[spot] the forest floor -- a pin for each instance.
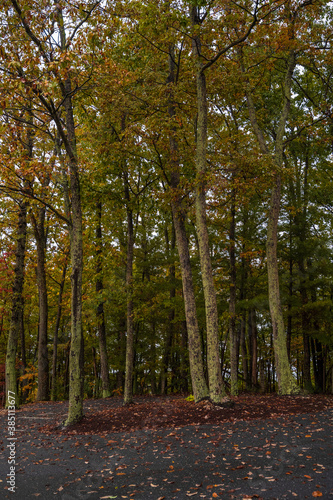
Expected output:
(264, 447)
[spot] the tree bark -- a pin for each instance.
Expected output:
(17, 304)
(216, 387)
(106, 392)
(128, 392)
(286, 382)
(56, 333)
(43, 355)
(199, 386)
(170, 247)
(232, 303)
(68, 136)
(254, 373)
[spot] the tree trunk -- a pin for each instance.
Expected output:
(184, 358)
(106, 392)
(43, 357)
(286, 382)
(199, 386)
(17, 304)
(56, 332)
(285, 379)
(24, 382)
(290, 289)
(232, 303)
(128, 392)
(76, 373)
(121, 355)
(307, 384)
(216, 387)
(254, 354)
(172, 295)
(76, 357)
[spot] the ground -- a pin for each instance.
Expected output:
(269, 447)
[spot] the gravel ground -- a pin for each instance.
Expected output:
(289, 456)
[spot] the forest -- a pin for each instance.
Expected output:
(166, 199)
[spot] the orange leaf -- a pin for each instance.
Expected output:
(317, 494)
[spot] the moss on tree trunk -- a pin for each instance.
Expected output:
(17, 305)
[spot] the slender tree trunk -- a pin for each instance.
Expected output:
(17, 303)
(76, 372)
(120, 378)
(24, 382)
(242, 296)
(96, 388)
(216, 387)
(184, 358)
(254, 373)
(43, 355)
(307, 384)
(22, 335)
(199, 386)
(153, 360)
(128, 392)
(106, 392)
(76, 357)
(289, 324)
(286, 382)
(232, 302)
(56, 332)
(172, 295)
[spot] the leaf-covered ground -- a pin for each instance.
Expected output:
(166, 448)
(109, 415)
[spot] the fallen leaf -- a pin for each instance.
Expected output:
(317, 494)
